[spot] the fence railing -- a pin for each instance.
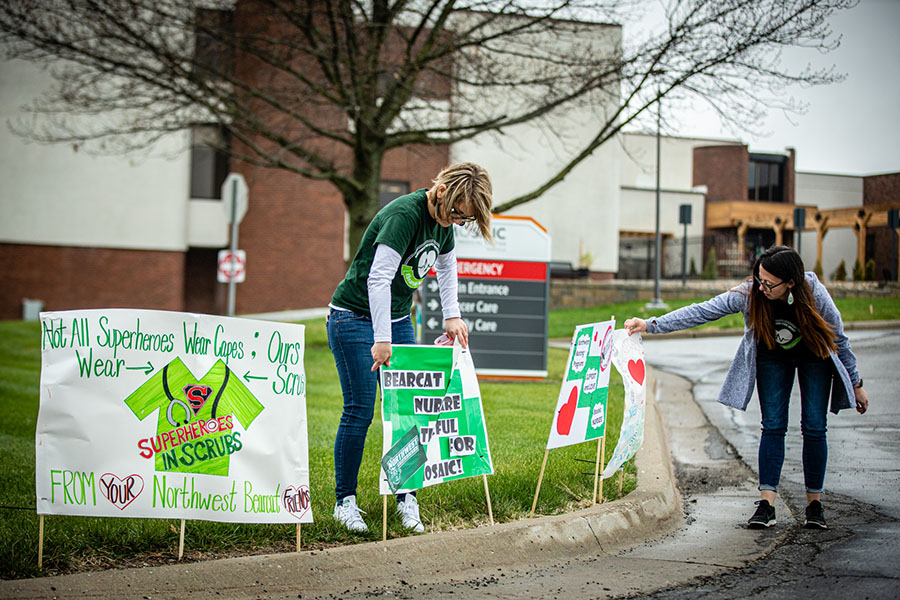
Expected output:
(689, 256)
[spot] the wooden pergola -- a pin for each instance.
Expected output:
(742, 215)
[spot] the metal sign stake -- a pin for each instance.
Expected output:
(234, 246)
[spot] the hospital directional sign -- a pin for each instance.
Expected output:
(504, 292)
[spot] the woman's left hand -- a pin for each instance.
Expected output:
(862, 400)
(456, 329)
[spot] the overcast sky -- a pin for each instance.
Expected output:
(850, 128)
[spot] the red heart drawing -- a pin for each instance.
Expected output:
(567, 413)
(121, 491)
(636, 369)
(296, 500)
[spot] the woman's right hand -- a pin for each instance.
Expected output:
(635, 324)
(381, 354)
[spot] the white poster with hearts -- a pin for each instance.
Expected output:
(172, 415)
(580, 413)
(628, 358)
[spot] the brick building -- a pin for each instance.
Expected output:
(81, 231)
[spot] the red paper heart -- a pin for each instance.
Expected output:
(636, 369)
(296, 500)
(121, 491)
(567, 413)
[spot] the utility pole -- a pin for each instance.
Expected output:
(657, 301)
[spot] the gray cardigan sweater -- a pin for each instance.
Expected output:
(741, 378)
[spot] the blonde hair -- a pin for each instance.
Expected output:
(470, 184)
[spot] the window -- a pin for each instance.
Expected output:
(214, 41)
(209, 161)
(765, 178)
(388, 190)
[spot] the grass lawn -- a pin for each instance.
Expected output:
(518, 417)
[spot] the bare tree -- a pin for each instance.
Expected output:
(324, 88)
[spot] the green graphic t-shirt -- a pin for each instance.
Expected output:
(405, 226)
(194, 429)
(788, 337)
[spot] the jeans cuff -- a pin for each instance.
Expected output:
(818, 491)
(767, 487)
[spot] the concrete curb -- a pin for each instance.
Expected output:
(653, 509)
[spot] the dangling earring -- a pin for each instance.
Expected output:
(790, 297)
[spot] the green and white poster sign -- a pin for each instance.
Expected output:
(434, 389)
(581, 406)
(403, 459)
(161, 414)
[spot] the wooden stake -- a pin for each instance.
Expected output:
(181, 541)
(602, 460)
(298, 537)
(40, 541)
(487, 494)
(597, 469)
(540, 479)
(384, 519)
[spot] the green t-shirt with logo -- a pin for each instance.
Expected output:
(788, 337)
(405, 226)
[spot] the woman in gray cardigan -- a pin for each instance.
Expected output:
(791, 325)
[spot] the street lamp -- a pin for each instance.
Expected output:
(657, 301)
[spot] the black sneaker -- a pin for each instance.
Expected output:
(763, 517)
(815, 516)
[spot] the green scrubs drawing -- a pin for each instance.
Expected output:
(197, 409)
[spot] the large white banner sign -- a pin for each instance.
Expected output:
(172, 415)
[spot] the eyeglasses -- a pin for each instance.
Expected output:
(458, 216)
(769, 286)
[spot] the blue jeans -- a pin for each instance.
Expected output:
(774, 381)
(350, 337)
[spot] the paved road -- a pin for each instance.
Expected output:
(860, 554)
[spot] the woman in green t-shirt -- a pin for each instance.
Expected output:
(371, 305)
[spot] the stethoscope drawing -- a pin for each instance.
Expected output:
(188, 412)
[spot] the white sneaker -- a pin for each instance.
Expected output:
(409, 514)
(347, 514)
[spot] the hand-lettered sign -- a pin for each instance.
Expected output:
(628, 358)
(581, 406)
(435, 389)
(172, 415)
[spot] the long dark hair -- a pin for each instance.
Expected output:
(785, 263)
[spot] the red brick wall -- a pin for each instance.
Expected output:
(65, 278)
(723, 170)
(883, 189)
(293, 234)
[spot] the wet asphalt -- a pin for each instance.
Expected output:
(859, 555)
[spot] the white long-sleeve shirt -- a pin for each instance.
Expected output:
(384, 267)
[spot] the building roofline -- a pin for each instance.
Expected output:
(688, 137)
